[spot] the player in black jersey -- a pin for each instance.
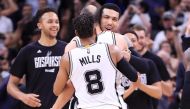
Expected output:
(39, 62)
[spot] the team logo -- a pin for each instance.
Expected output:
(49, 53)
(39, 51)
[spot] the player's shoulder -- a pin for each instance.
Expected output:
(27, 49)
(30, 46)
(113, 48)
(71, 45)
(118, 35)
(62, 43)
(105, 33)
(74, 38)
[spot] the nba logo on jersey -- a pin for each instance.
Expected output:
(88, 51)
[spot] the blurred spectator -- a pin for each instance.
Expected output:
(168, 22)
(4, 69)
(135, 15)
(186, 36)
(176, 8)
(6, 101)
(6, 23)
(66, 14)
(156, 9)
(25, 26)
(121, 3)
(9, 7)
(141, 15)
(12, 10)
(38, 4)
(78, 5)
(143, 50)
(176, 98)
(185, 100)
(170, 62)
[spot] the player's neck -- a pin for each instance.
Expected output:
(47, 41)
(87, 41)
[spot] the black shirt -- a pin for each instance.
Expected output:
(160, 65)
(40, 65)
(138, 99)
(185, 42)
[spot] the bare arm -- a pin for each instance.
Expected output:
(28, 99)
(71, 45)
(123, 21)
(153, 90)
(178, 45)
(11, 8)
(122, 65)
(129, 91)
(123, 45)
(62, 76)
(65, 96)
(146, 23)
(167, 88)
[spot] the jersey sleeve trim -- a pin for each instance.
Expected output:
(112, 63)
(113, 37)
(71, 64)
(77, 42)
(109, 56)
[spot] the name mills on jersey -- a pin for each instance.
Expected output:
(90, 59)
(47, 61)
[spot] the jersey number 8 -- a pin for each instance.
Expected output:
(94, 83)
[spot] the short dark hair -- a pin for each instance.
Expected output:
(132, 32)
(84, 25)
(107, 6)
(41, 12)
(139, 28)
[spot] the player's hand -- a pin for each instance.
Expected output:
(138, 82)
(127, 54)
(31, 100)
(133, 86)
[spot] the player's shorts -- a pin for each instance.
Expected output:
(123, 104)
(73, 105)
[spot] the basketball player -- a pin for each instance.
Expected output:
(39, 62)
(89, 67)
(108, 20)
(77, 43)
(112, 11)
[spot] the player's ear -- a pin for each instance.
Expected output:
(39, 25)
